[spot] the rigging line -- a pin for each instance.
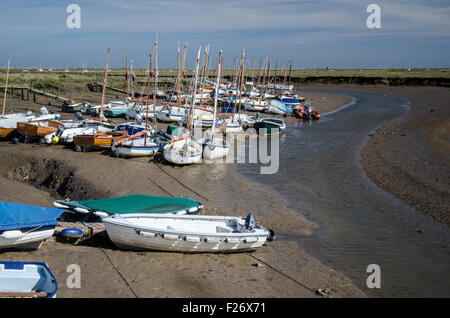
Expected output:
(161, 187)
(193, 191)
(285, 275)
(118, 272)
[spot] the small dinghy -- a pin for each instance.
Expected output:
(98, 140)
(186, 233)
(25, 226)
(278, 107)
(134, 203)
(139, 147)
(8, 123)
(27, 280)
(183, 152)
(271, 125)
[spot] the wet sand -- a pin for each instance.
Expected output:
(409, 157)
(34, 174)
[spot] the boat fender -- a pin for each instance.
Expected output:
(211, 239)
(59, 205)
(147, 234)
(232, 240)
(55, 140)
(250, 240)
(192, 210)
(101, 214)
(81, 210)
(9, 235)
(170, 237)
(193, 239)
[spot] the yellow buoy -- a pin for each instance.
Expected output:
(55, 140)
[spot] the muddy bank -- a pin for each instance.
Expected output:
(281, 269)
(409, 156)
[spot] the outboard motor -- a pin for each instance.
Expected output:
(250, 222)
(79, 116)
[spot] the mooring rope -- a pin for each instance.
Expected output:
(285, 275)
(118, 272)
(193, 191)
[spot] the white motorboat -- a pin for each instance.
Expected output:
(186, 233)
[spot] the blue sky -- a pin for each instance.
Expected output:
(316, 33)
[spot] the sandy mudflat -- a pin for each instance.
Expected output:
(409, 157)
(28, 172)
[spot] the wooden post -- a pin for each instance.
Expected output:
(6, 89)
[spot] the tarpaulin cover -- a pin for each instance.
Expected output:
(16, 216)
(135, 203)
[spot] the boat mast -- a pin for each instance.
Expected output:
(254, 68)
(264, 79)
(132, 79)
(6, 89)
(290, 69)
(156, 83)
(241, 79)
(216, 96)
(285, 74)
(104, 87)
(126, 77)
(194, 90)
(178, 68)
(148, 96)
(179, 93)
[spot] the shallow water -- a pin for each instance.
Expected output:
(359, 223)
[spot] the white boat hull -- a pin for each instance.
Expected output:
(136, 148)
(219, 148)
(17, 239)
(181, 233)
(174, 152)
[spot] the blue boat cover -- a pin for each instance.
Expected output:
(290, 100)
(16, 216)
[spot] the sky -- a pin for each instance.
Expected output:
(314, 34)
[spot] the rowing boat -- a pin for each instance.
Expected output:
(27, 280)
(98, 140)
(25, 226)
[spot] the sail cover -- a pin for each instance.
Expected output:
(136, 203)
(15, 216)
